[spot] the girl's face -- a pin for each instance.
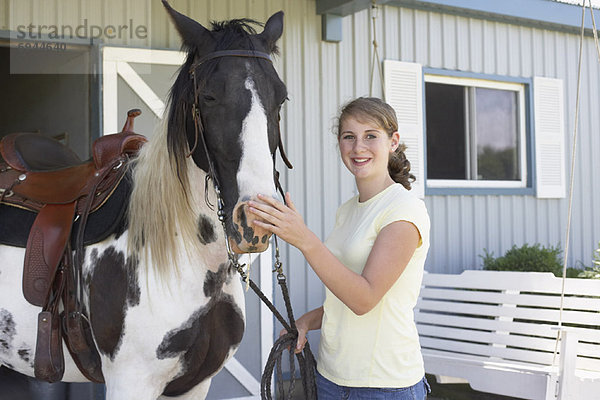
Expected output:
(365, 148)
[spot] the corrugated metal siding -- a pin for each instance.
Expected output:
(321, 76)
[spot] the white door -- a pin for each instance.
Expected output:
(141, 78)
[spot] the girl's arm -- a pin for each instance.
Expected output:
(391, 252)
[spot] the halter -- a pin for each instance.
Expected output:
(306, 361)
(198, 127)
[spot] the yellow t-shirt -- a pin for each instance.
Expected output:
(380, 348)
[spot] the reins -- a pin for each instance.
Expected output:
(306, 361)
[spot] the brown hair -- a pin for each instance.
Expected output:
(378, 112)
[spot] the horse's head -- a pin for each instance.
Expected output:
(238, 97)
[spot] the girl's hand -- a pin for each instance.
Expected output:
(307, 322)
(301, 339)
(283, 220)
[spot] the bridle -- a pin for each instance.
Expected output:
(307, 361)
(199, 128)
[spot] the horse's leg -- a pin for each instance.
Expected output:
(198, 392)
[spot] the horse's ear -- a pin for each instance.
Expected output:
(273, 31)
(192, 33)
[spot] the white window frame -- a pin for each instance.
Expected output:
(519, 88)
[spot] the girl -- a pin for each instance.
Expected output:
(371, 265)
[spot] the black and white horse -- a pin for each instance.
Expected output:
(165, 307)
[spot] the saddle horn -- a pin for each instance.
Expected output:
(131, 114)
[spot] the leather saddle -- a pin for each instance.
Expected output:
(41, 175)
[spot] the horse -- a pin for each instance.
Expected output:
(165, 307)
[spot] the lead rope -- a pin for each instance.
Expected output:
(306, 359)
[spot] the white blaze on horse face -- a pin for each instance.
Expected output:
(256, 165)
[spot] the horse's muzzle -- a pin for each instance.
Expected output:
(249, 238)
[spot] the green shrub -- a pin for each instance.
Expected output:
(526, 258)
(539, 259)
(573, 272)
(592, 272)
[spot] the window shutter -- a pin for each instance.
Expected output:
(404, 92)
(548, 100)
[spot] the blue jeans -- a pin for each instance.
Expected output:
(327, 390)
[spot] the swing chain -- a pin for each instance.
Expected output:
(375, 59)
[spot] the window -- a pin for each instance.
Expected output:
(475, 133)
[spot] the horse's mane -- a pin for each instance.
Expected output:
(232, 31)
(160, 215)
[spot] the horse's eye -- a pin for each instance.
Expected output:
(208, 98)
